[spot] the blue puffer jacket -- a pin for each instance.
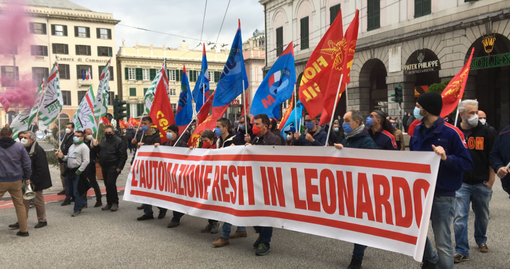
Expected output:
(500, 155)
(451, 171)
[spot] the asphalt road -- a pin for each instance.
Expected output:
(97, 239)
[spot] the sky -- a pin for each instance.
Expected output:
(179, 17)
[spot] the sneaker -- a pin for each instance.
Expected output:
(263, 249)
(428, 265)
(107, 207)
(20, 233)
(207, 228)
(215, 228)
(239, 234)
(221, 242)
(355, 263)
(41, 224)
(162, 214)
(145, 217)
(66, 202)
(98, 204)
(115, 207)
(173, 224)
(457, 258)
(76, 213)
(62, 193)
(483, 247)
(257, 242)
(14, 226)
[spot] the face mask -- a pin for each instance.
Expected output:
(76, 139)
(473, 120)
(108, 136)
(309, 125)
(336, 129)
(417, 115)
(130, 128)
(241, 127)
(369, 122)
(255, 130)
(23, 141)
(206, 145)
(393, 125)
(169, 136)
(347, 127)
(483, 121)
(145, 128)
(89, 137)
(217, 131)
(289, 137)
(68, 131)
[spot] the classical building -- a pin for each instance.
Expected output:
(254, 54)
(414, 43)
(79, 37)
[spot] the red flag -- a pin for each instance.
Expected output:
(343, 63)
(122, 124)
(453, 92)
(161, 111)
(287, 113)
(133, 122)
(247, 106)
(205, 109)
(105, 121)
(208, 123)
(322, 64)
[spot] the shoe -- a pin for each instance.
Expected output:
(41, 224)
(98, 204)
(173, 224)
(239, 234)
(483, 247)
(62, 193)
(76, 213)
(457, 258)
(140, 207)
(114, 207)
(257, 242)
(355, 263)
(107, 207)
(207, 229)
(162, 214)
(20, 233)
(215, 228)
(428, 265)
(263, 249)
(14, 226)
(221, 242)
(66, 202)
(145, 217)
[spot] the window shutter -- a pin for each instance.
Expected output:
(132, 91)
(109, 33)
(76, 31)
(53, 48)
(418, 12)
(126, 73)
(139, 75)
(112, 77)
(304, 33)
(139, 109)
(43, 28)
(32, 30)
(128, 111)
(98, 33)
(45, 51)
(66, 49)
(426, 7)
(153, 74)
(279, 41)
(145, 91)
(178, 74)
(89, 50)
(333, 11)
(217, 76)
(65, 30)
(88, 31)
(53, 29)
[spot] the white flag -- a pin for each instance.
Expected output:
(84, 117)
(52, 101)
(103, 93)
(151, 91)
(24, 120)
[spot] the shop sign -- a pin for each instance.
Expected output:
(490, 61)
(421, 66)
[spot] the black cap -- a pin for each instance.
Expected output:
(431, 102)
(174, 128)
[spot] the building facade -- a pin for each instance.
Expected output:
(80, 38)
(414, 43)
(254, 55)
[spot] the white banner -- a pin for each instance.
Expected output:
(380, 199)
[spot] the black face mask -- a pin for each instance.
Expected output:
(108, 136)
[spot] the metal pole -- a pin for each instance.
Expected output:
(295, 110)
(457, 114)
(189, 124)
(334, 108)
(245, 112)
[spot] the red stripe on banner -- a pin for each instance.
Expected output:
(389, 165)
(284, 215)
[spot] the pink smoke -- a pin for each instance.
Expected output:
(14, 31)
(22, 94)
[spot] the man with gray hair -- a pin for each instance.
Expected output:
(477, 184)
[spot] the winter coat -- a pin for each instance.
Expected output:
(112, 152)
(268, 139)
(319, 135)
(41, 178)
(14, 161)
(500, 155)
(384, 140)
(360, 141)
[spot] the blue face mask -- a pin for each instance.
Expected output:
(369, 122)
(217, 131)
(309, 125)
(241, 127)
(145, 128)
(417, 115)
(336, 129)
(169, 136)
(347, 127)
(76, 139)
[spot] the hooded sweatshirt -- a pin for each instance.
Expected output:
(14, 161)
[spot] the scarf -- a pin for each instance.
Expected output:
(32, 149)
(355, 132)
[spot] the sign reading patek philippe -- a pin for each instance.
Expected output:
(421, 65)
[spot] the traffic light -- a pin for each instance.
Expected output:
(397, 96)
(119, 108)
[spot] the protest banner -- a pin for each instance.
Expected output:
(376, 198)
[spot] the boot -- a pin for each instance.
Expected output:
(239, 234)
(107, 207)
(114, 207)
(98, 204)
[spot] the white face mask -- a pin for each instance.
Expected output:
(483, 121)
(23, 141)
(472, 121)
(89, 137)
(68, 131)
(289, 137)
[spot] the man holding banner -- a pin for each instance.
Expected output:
(433, 134)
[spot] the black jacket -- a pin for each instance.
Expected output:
(479, 142)
(277, 133)
(268, 139)
(41, 178)
(67, 142)
(182, 143)
(112, 152)
(91, 168)
(149, 139)
(220, 143)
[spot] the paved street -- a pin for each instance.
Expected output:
(97, 239)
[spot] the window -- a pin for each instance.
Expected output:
(172, 92)
(39, 50)
(171, 75)
(145, 91)
(38, 74)
(279, 41)
(304, 33)
(100, 69)
(211, 76)
(145, 74)
(111, 97)
(80, 31)
(63, 70)
(104, 33)
(139, 109)
(83, 50)
(82, 69)
(192, 75)
(373, 14)
(104, 51)
(132, 91)
(66, 96)
(38, 28)
(152, 74)
(80, 95)
(217, 76)
(333, 11)
(174, 107)
(139, 75)
(9, 75)
(421, 8)
(60, 48)
(59, 30)
(130, 74)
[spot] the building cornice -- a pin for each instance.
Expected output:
(71, 15)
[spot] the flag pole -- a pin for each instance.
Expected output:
(245, 112)
(457, 114)
(203, 94)
(189, 124)
(295, 112)
(334, 108)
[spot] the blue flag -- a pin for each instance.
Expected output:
(231, 81)
(277, 86)
(290, 125)
(184, 112)
(201, 91)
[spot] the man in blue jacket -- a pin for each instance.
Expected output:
(313, 136)
(433, 134)
(500, 158)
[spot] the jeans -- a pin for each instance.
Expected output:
(226, 230)
(147, 209)
(443, 209)
(110, 181)
(480, 195)
(177, 216)
(72, 181)
(359, 251)
(265, 234)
